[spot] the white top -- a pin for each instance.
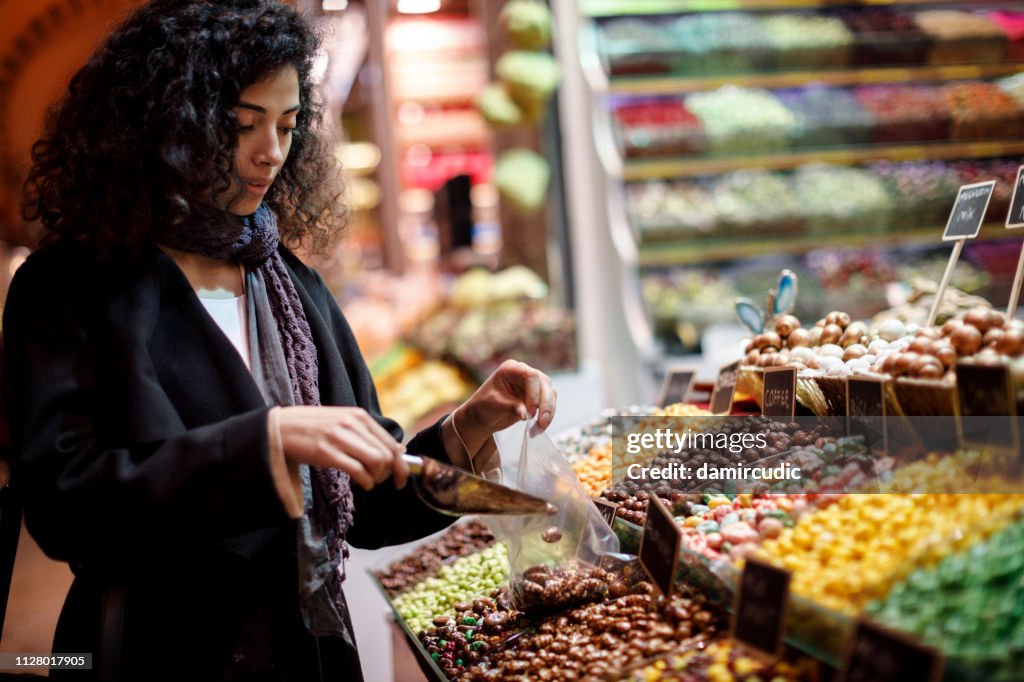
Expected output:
(232, 316)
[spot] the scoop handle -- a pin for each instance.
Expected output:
(414, 463)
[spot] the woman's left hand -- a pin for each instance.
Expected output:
(513, 393)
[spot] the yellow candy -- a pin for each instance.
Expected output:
(853, 551)
(719, 672)
(746, 666)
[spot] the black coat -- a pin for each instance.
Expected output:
(141, 451)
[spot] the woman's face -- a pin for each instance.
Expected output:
(266, 114)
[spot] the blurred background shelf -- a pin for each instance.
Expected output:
(729, 139)
(939, 151)
(614, 8)
(700, 251)
(673, 84)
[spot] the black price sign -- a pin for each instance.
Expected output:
(969, 211)
(865, 410)
(609, 510)
(759, 619)
(878, 654)
(675, 387)
(1015, 218)
(725, 388)
(659, 545)
(986, 391)
(779, 392)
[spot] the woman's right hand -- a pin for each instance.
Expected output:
(345, 438)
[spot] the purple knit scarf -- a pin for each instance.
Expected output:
(254, 241)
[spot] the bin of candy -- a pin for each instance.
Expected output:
(885, 37)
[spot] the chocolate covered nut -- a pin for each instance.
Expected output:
(552, 534)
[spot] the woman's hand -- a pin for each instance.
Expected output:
(513, 393)
(345, 438)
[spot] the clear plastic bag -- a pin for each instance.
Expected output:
(571, 542)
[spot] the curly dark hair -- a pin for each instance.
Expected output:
(146, 135)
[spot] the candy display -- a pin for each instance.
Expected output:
(591, 641)
(493, 317)
(844, 556)
(658, 127)
(780, 437)
(828, 116)
(738, 120)
(418, 389)
(905, 113)
(721, 114)
(914, 313)
(1012, 24)
(854, 280)
(720, 42)
(723, 661)
(1014, 87)
(982, 334)
(732, 529)
(461, 540)
(636, 46)
(683, 302)
(742, 119)
(756, 201)
(595, 470)
(961, 37)
(807, 40)
(982, 110)
(884, 37)
(474, 629)
(969, 605)
(838, 198)
(874, 197)
(576, 443)
(923, 191)
(464, 578)
(836, 346)
(663, 211)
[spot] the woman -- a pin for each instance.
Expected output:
(188, 402)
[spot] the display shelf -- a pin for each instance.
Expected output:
(626, 255)
(648, 169)
(670, 85)
(616, 8)
(697, 251)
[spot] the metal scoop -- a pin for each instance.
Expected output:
(455, 492)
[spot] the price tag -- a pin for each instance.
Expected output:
(725, 388)
(877, 654)
(985, 393)
(609, 510)
(1015, 218)
(969, 211)
(779, 392)
(759, 619)
(659, 545)
(676, 387)
(865, 410)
